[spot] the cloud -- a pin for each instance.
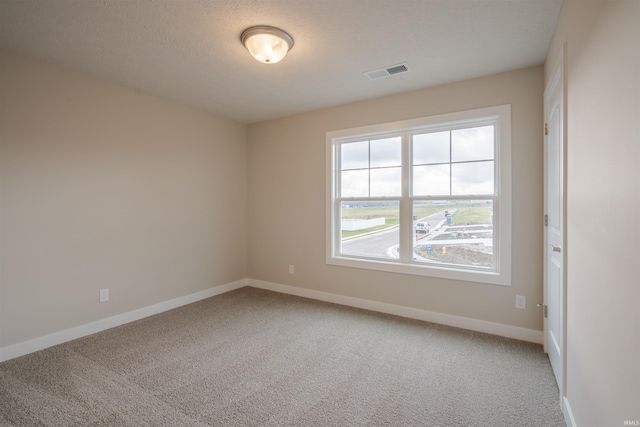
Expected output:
(355, 183)
(445, 163)
(431, 180)
(472, 178)
(429, 148)
(354, 155)
(386, 152)
(386, 182)
(472, 144)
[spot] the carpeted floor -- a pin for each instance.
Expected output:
(257, 358)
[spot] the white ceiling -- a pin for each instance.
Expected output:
(190, 51)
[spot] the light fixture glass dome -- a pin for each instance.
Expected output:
(266, 44)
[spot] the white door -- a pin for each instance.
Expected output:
(554, 221)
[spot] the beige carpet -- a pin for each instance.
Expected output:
(257, 358)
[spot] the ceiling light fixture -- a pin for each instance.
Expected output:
(266, 44)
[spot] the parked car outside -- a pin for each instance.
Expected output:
(422, 227)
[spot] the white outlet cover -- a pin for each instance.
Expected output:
(521, 302)
(104, 295)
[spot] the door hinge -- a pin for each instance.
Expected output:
(546, 128)
(546, 220)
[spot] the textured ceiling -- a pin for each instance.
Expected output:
(190, 51)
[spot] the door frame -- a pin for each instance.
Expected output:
(558, 76)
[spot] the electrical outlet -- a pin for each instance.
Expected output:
(521, 302)
(291, 269)
(104, 295)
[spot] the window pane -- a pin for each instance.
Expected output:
(386, 182)
(427, 216)
(370, 229)
(472, 144)
(458, 233)
(386, 152)
(354, 155)
(354, 183)
(472, 178)
(431, 148)
(430, 211)
(431, 180)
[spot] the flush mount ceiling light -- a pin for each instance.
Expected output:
(266, 44)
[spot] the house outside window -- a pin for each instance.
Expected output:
(428, 196)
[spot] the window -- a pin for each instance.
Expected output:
(429, 196)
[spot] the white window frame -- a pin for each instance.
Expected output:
(500, 117)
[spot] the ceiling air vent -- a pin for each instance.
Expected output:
(388, 71)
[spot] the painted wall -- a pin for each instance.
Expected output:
(287, 201)
(603, 208)
(105, 187)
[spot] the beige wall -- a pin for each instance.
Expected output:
(105, 187)
(287, 201)
(603, 208)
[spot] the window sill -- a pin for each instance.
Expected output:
(415, 269)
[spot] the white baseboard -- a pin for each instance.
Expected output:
(56, 338)
(40, 343)
(568, 415)
(500, 329)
